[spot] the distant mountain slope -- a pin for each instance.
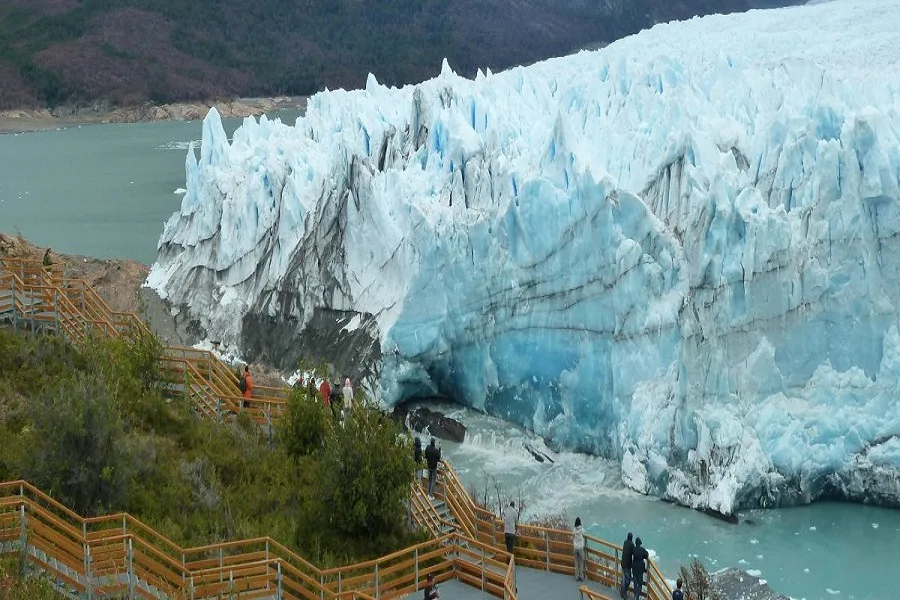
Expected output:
(130, 51)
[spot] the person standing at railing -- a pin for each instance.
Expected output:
(638, 566)
(578, 544)
(431, 591)
(432, 458)
(510, 519)
(246, 385)
(627, 551)
(678, 593)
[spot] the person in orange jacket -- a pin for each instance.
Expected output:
(247, 386)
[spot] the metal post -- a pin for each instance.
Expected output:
(221, 574)
(192, 587)
(340, 588)
(130, 570)
(15, 313)
(267, 563)
(322, 587)
(23, 531)
(278, 580)
(377, 596)
(482, 568)
(416, 563)
(89, 584)
(547, 539)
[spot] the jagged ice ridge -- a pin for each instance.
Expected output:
(680, 251)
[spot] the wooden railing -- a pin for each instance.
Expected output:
(589, 594)
(119, 555)
(77, 310)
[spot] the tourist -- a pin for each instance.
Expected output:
(510, 517)
(431, 591)
(246, 385)
(47, 262)
(677, 594)
(325, 390)
(578, 544)
(432, 458)
(638, 556)
(627, 551)
(417, 454)
(348, 397)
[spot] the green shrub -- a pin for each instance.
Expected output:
(362, 485)
(15, 587)
(302, 429)
(75, 447)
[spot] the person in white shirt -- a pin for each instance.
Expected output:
(578, 544)
(348, 397)
(510, 517)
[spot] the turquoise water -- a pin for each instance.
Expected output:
(105, 190)
(827, 550)
(97, 190)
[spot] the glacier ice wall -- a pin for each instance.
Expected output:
(680, 251)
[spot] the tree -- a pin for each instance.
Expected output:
(696, 582)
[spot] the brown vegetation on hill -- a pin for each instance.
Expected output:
(127, 52)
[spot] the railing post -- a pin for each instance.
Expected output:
(23, 530)
(340, 583)
(89, 583)
(191, 590)
(416, 567)
(377, 595)
(547, 540)
(482, 568)
(130, 569)
(15, 313)
(221, 574)
(278, 580)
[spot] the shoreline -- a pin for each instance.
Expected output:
(15, 121)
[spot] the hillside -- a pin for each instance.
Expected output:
(125, 52)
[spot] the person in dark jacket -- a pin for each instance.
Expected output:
(417, 454)
(627, 550)
(678, 593)
(638, 566)
(432, 458)
(431, 591)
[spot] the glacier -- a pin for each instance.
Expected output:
(680, 251)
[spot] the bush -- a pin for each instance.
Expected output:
(303, 427)
(15, 587)
(362, 480)
(76, 446)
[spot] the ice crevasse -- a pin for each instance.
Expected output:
(680, 251)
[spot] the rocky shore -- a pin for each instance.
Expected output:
(20, 120)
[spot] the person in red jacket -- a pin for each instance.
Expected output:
(325, 390)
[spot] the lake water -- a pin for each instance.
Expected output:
(106, 190)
